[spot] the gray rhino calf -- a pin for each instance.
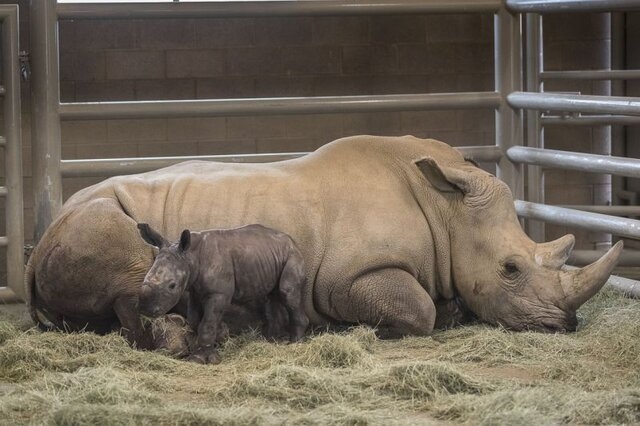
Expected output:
(253, 266)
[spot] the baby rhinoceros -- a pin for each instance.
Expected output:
(253, 266)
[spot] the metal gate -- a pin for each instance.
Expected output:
(11, 142)
(544, 109)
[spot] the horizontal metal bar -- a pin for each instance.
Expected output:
(275, 106)
(575, 103)
(612, 210)
(4, 241)
(125, 166)
(3, 191)
(591, 75)
(3, 91)
(574, 218)
(3, 141)
(229, 9)
(8, 296)
(7, 10)
(488, 154)
(552, 6)
(586, 257)
(591, 163)
(590, 120)
(631, 288)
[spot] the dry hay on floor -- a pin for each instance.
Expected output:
(475, 374)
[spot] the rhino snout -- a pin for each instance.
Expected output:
(145, 291)
(148, 304)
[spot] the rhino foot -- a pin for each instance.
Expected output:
(212, 358)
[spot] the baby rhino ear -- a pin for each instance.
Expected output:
(185, 240)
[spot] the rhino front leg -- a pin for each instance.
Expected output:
(210, 326)
(390, 299)
(126, 309)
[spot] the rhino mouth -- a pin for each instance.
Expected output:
(570, 324)
(566, 324)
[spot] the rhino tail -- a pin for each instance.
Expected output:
(30, 291)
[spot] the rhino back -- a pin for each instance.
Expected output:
(254, 255)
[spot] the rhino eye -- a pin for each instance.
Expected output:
(511, 268)
(172, 286)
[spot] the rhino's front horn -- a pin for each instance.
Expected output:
(581, 284)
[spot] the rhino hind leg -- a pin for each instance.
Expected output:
(88, 267)
(290, 287)
(389, 299)
(276, 318)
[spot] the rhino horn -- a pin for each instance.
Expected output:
(580, 285)
(555, 253)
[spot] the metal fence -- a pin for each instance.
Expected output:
(571, 109)
(508, 98)
(12, 144)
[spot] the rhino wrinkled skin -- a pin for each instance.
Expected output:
(387, 227)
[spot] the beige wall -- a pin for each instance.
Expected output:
(266, 57)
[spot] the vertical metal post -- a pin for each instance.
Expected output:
(45, 98)
(535, 135)
(13, 153)
(508, 78)
(618, 133)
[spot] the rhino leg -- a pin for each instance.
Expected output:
(290, 287)
(390, 299)
(276, 318)
(126, 309)
(210, 327)
(450, 313)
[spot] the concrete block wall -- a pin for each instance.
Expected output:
(241, 58)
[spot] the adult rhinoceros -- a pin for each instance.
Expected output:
(387, 226)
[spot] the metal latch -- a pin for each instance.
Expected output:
(25, 65)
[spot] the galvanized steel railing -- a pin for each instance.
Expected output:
(12, 144)
(574, 110)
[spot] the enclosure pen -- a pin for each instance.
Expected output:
(471, 374)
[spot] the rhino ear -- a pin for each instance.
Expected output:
(444, 179)
(151, 236)
(185, 240)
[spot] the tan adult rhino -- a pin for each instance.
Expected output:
(387, 226)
